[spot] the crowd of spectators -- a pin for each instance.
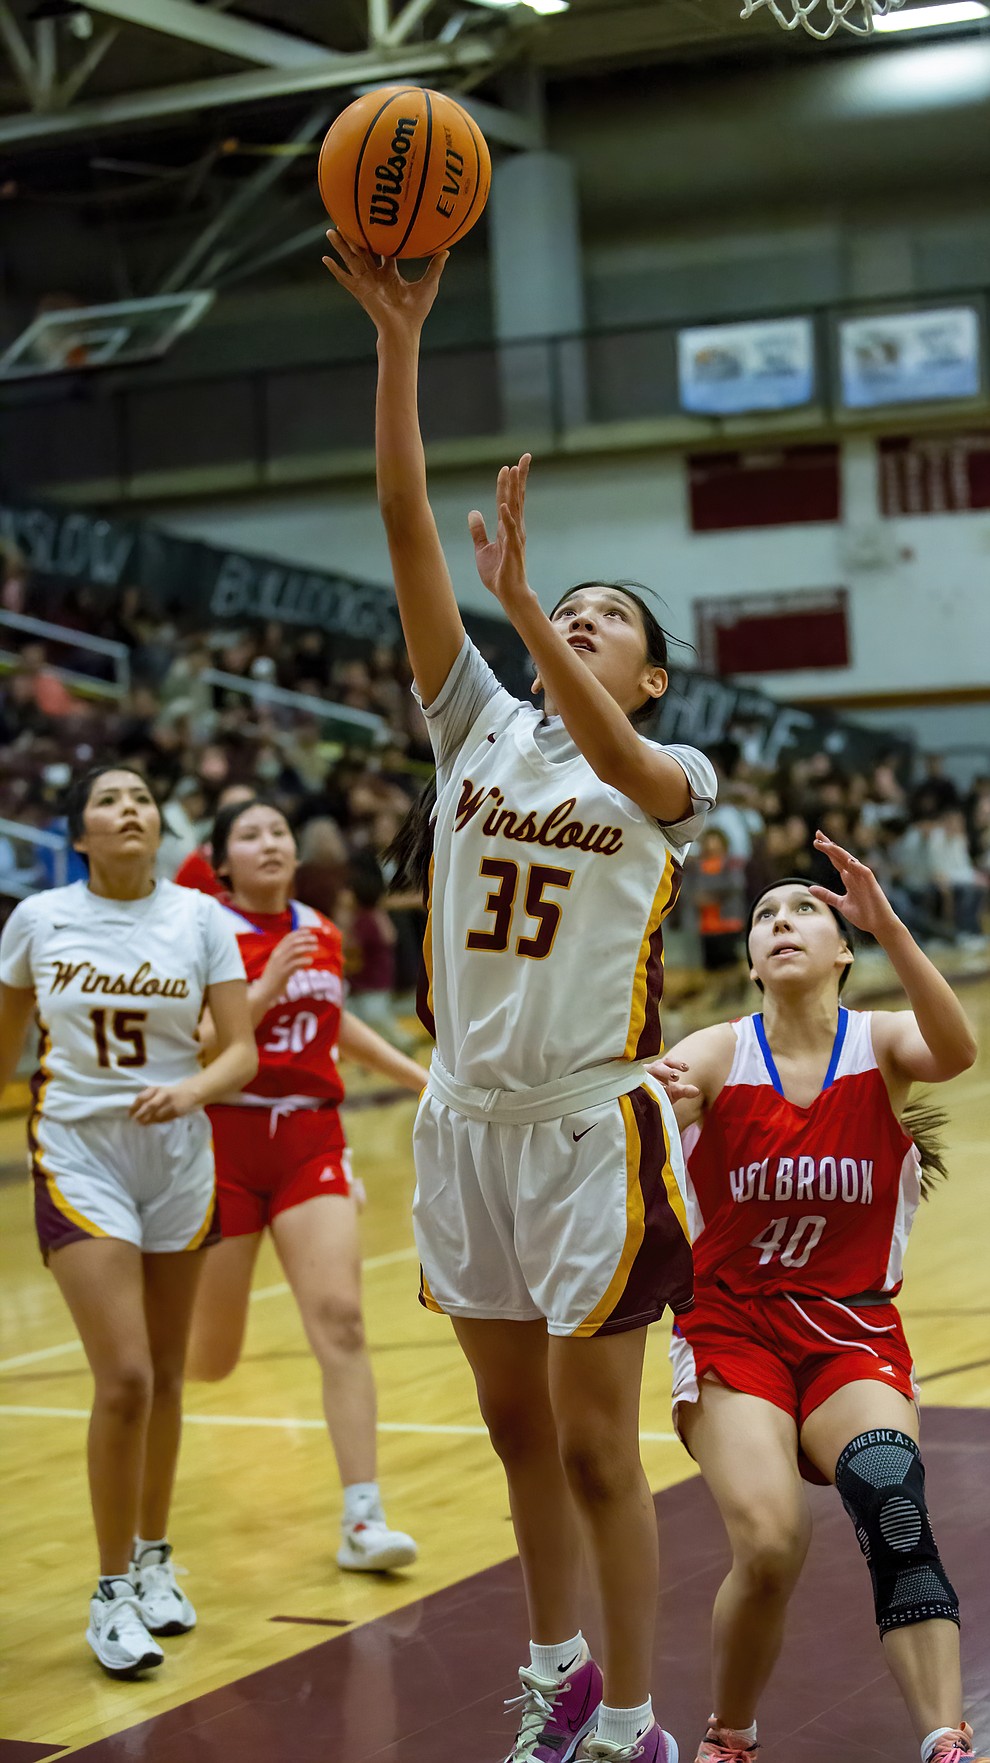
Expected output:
(927, 841)
(196, 740)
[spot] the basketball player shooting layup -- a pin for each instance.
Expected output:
(807, 1183)
(549, 1211)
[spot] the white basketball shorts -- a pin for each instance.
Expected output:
(153, 1186)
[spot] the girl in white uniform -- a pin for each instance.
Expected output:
(117, 970)
(549, 1214)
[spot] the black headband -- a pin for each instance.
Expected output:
(800, 881)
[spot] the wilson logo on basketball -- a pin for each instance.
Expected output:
(390, 176)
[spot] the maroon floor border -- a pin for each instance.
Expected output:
(428, 1682)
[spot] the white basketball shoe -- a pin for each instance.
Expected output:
(163, 1604)
(116, 1632)
(367, 1545)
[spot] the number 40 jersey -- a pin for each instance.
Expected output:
(815, 1200)
(297, 1038)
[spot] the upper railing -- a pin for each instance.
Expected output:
(102, 436)
(87, 685)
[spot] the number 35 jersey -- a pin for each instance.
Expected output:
(544, 947)
(119, 987)
(815, 1200)
(297, 1038)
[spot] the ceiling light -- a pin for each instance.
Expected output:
(928, 18)
(542, 6)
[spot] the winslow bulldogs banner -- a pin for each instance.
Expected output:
(186, 576)
(213, 586)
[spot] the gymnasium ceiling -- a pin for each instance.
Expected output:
(132, 140)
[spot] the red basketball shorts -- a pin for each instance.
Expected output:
(268, 1160)
(792, 1351)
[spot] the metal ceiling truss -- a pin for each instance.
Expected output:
(398, 48)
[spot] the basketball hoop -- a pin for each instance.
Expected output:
(853, 15)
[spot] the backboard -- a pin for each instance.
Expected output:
(80, 338)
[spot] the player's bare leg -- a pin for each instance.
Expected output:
(595, 1393)
(746, 1450)
(170, 1283)
(319, 1247)
(221, 1308)
(102, 1282)
(923, 1657)
(509, 1361)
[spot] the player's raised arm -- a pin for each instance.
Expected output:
(597, 721)
(431, 622)
(934, 1041)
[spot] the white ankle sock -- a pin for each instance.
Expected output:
(928, 1744)
(746, 1733)
(142, 1543)
(623, 1726)
(552, 1662)
(362, 1500)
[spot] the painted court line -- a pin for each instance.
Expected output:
(276, 1291)
(288, 1423)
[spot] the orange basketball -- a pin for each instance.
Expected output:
(404, 172)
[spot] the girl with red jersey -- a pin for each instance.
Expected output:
(805, 1183)
(282, 1161)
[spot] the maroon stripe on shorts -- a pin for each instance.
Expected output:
(663, 1272)
(53, 1228)
(651, 1037)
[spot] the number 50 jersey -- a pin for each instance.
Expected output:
(297, 1038)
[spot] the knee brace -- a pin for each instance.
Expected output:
(880, 1479)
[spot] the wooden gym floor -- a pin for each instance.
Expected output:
(293, 1659)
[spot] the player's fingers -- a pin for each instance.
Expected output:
(477, 528)
(434, 269)
(828, 898)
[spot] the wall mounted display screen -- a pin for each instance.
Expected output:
(725, 369)
(909, 357)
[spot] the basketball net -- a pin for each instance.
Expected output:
(853, 15)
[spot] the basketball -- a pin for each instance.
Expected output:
(404, 172)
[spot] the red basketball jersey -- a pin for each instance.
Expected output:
(817, 1200)
(297, 1038)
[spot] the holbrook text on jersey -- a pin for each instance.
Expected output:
(848, 1179)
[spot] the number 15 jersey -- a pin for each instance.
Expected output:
(544, 948)
(119, 987)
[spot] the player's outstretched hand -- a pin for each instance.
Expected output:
(391, 301)
(670, 1073)
(502, 560)
(164, 1102)
(864, 902)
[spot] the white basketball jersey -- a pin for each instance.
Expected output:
(119, 987)
(544, 949)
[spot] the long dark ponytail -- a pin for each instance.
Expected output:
(412, 848)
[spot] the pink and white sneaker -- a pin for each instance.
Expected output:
(956, 1747)
(653, 1746)
(721, 1745)
(554, 1717)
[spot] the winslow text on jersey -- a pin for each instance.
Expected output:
(142, 983)
(556, 830)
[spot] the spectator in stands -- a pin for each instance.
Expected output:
(935, 793)
(718, 886)
(49, 692)
(961, 888)
(369, 953)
